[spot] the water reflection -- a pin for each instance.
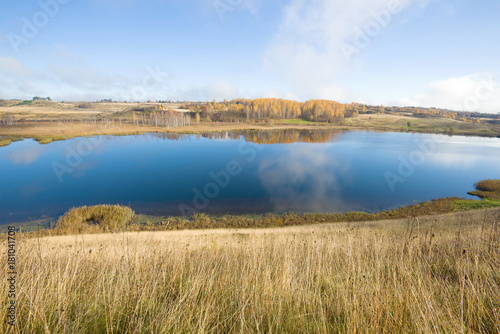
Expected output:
(285, 136)
(304, 179)
(291, 136)
(466, 153)
(292, 170)
(26, 155)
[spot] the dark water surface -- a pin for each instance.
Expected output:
(236, 173)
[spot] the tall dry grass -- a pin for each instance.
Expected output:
(104, 217)
(428, 275)
(487, 189)
(488, 185)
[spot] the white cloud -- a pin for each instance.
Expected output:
(12, 66)
(69, 77)
(221, 90)
(309, 48)
(473, 92)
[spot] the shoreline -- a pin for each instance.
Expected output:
(270, 220)
(319, 224)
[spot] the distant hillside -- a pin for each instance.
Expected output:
(322, 111)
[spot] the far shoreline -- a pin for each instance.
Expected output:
(45, 135)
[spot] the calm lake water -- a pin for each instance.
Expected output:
(236, 173)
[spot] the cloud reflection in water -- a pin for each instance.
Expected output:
(27, 155)
(305, 177)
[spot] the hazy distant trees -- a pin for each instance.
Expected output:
(7, 120)
(164, 118)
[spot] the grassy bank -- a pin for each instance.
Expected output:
(47, 121)
(487, 189)
(434, 274)
(46, 132)
(6, 141)
(109, 219)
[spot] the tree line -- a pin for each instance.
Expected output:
(271, 108)
(315, 110)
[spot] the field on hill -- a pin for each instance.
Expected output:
(62, 110)
(388, 122)
(427, 274)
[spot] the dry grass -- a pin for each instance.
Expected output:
(68, 110)
(487, 189)
(385, 122)
(416, 275)
(59, 111)
(103, 218)
(107, 217)
(488, 185)
(6, 141)
(46, 132)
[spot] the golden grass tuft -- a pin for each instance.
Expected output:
(489, 189)
(105, 217)
(488, 185)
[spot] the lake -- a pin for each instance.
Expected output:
(241, 172)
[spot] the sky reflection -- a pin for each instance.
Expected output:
(300, 171)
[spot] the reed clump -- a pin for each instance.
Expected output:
(487, 189)
(95, 218)
(488, 185)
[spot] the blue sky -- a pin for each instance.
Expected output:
(427, 53)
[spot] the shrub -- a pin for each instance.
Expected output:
(85, 106)
(105, 217)
(22, 103)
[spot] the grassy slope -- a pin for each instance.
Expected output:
(297, 121)
(435, 274)
(424, 125)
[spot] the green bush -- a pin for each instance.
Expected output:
(104, 217)
(22, 103)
